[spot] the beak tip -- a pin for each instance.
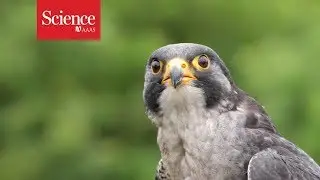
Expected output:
(175, 84)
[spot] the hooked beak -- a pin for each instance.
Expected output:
(177, 72)
(176, 75)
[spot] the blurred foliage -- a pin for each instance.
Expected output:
(74, 110)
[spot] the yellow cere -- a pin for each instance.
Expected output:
(182, 64)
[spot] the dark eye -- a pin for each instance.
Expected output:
(203, 61)
(155, 66)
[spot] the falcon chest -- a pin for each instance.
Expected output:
(197, 143)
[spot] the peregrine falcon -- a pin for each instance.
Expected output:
(210, 129)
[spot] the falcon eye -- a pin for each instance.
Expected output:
(156, 66)
(201, 62)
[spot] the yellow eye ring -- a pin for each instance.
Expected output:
(156, 66)
(201, 62)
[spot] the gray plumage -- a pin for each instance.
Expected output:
(211, 129)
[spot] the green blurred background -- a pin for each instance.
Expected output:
(74, 110)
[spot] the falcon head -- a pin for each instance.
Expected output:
(184, 73)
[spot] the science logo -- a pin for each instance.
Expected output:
(68, 20)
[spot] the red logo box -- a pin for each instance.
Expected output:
(68, 19)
